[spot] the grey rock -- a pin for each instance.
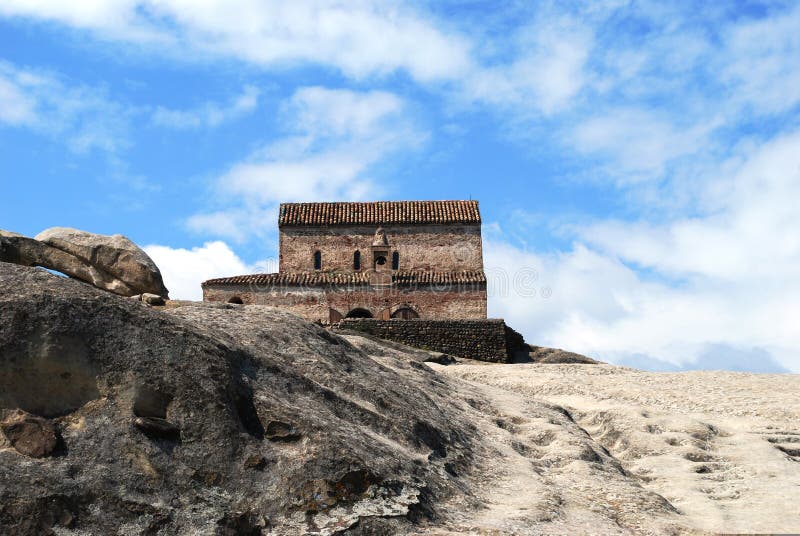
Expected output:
(115, 255)
(541, 354)
(111, 263)
(152, 299)
(158, 427)
(217, 420)
(26, 251)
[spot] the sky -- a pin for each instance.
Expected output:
(637, 163)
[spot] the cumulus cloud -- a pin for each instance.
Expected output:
(210, 114)
(333, 138)
(184, 269)
(762, 62)
(677, 292)
(638, 144)
(360, 38)
(544, 74)
(83, 117)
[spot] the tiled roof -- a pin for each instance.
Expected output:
(420, 277)
(293, 278)
(401, 278)
(379, 213)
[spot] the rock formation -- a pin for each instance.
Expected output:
(112, 263)
(118, 418)
(206, 419)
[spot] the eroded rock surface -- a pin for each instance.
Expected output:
(205, 419)
(717, 445)
(222, 419)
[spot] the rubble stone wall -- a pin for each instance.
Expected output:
(486, 340)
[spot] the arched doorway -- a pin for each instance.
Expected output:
(237, 300)
(359, 312)
(405, 312)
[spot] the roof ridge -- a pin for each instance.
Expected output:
(325, 213)
(325, 278)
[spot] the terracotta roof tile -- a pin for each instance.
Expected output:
(378, 213)
(401, 278)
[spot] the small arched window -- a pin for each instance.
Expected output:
(357, 260)
(395, 261)
(317, 260)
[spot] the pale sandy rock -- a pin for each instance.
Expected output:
(720, 447)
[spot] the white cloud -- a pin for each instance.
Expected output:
(334, 138)
(544, 75)
(83, 117)
(16, 108)
(184, 269)
(752, 231)
(760, 62)
(209, 114)
(360, 38)
(675, 292)
(637, 144)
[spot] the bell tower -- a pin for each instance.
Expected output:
(381, 273)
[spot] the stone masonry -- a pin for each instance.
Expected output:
(485, 340)
(398, 259)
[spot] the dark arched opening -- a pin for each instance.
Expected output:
(405, 313)
(236, 300)
(395, 261)
(359, 312)
(357, 260)
(317, 260)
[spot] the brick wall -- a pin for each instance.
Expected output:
(486, 340)
(440, 247)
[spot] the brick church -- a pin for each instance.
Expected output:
(393, 259)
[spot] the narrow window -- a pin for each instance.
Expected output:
(357, 260)
(395, 261)
(317, 260)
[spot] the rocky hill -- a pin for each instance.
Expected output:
(121, 418)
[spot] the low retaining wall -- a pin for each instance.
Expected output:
(485, 339)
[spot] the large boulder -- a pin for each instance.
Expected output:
(111, 263)
(26, 251)
(115, 255)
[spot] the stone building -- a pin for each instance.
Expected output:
(396, 259)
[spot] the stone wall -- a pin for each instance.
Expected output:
(451, 247)
(330, 303)
(486, 340)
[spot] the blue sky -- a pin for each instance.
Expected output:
(637, 164)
